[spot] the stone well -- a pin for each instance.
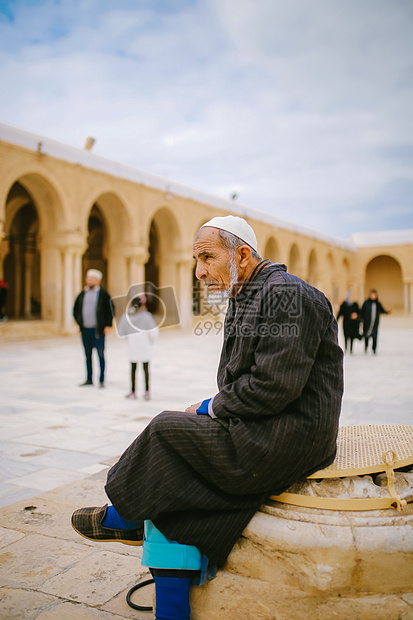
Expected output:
(295, 563)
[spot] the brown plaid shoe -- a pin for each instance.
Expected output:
(88, 523)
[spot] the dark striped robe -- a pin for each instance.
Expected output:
(280, 380)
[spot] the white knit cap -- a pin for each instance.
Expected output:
(94, 273)
(237, 226)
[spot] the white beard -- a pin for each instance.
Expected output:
(233, 276)
(221, 297)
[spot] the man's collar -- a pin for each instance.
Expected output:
(259, 268)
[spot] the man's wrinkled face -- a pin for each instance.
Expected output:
(214, 264)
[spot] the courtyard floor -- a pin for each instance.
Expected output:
(58, 440)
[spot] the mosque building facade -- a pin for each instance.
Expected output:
(64, 210)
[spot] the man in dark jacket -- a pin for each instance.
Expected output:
(200, 475)
(93, 313)
(370, 313)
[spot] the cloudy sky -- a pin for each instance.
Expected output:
(301, 107)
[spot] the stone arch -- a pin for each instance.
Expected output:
(26, 217)
(272, 250)
(106, 227)
(45, 193)
(294, 260)
(22, 263)
(47, 222)
(153, 263)
(384, 273)
(162, 268)
(96, 253)
(312, 269)
(113, 214)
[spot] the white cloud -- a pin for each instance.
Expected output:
(303, 108)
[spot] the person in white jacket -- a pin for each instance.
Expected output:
(141, 332)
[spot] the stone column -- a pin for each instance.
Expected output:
(60, 276)
(18, 272)
(68, 292)
(410, 309)
(118, 272)
(185, 267)
(136, 271)
(137, 259)
(28, 265)
(75, 247)
(51, 278)
(77, 272)
(406, 300)
(168, 271)
(408, 295)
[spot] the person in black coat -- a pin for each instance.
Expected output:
(370, 313)
(93, 313)
(350, 312)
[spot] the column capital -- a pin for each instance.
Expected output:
(140, 257)
(64, 241)
(132, 251)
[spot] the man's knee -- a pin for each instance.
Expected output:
(173, 424)
(166, 420)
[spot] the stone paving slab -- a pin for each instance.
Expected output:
(53, 428)
(48, 571)
(114, 570)
(19, 603)
(35, 558)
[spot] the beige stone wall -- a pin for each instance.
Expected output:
(389, 269)
(84, 217)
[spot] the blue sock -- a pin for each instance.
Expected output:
(114, 520)
(172, 598)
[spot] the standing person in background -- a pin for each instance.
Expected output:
(141, 332)
(350, 312)
(3, 298)
(370, 313)
(93, 313)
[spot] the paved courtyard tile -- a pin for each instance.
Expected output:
(58, 440)
(54, 431)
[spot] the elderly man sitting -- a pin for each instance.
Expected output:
(200, 475)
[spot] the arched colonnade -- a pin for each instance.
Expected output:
(58, 219)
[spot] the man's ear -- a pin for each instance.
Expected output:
(244, 254)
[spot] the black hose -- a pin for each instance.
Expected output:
(132, 590)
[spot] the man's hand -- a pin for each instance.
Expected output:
(106, 330)
(193, 408)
